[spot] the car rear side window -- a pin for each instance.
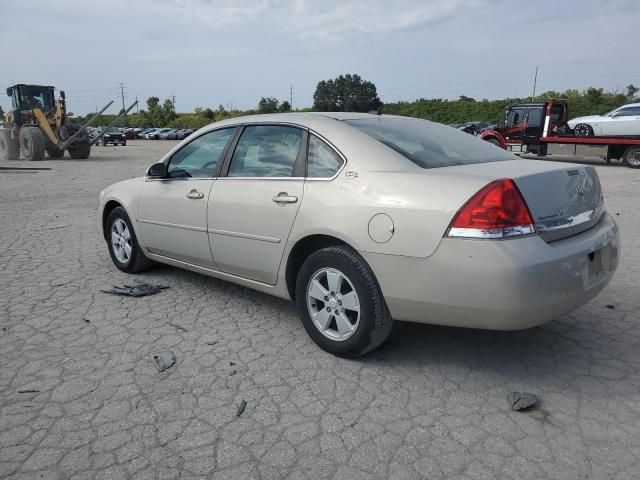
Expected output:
(199, 157)
(429, 144)
(266, 151)
(323, 161)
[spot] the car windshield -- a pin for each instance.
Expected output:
(114, 130)
(428, 144)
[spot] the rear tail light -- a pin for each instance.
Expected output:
(497, 211)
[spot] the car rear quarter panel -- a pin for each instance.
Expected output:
(421, 206)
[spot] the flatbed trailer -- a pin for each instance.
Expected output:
(531, 127)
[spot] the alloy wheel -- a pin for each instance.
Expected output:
(121, 240)
(333, 304)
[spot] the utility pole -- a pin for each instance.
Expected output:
(291, 98)
(136, 103)
(122, 94)
(535, 80)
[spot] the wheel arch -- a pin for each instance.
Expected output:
(109, 207)
(301, 251)
(493, 134)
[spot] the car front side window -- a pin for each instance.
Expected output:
(199, 158)
(266, 151)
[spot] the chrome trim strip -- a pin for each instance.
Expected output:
(260, 238)
(568, 222)
(491, 233)
(260, 178)
(175, 225)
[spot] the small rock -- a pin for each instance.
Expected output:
(231, 364)
(611, 307)
(164, 360)
(232, 373)
(521, 400)
(241, 408)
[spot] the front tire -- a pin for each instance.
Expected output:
(9, 147)
(80, 153)
(31, 143)
(340, 303)
(631, 157)
(583, 130)
(55, 152)
(124, 249)
(494, 141)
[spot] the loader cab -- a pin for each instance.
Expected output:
(28, 97)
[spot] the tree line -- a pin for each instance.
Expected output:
(351, 93)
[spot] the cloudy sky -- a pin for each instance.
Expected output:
(232, 52)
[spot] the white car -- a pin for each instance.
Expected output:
(623, 121)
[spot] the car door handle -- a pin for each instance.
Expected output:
(284, 197)
(196, 195)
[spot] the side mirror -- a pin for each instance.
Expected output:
(62, 95)
(157, 170)
(70, 114)
(9, 92)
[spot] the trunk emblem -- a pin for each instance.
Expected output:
(580, 190)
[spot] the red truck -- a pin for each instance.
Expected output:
(531, 127)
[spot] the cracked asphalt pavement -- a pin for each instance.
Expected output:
(80, 397)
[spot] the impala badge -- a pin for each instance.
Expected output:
(580, 190)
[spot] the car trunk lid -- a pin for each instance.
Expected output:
(564, 199)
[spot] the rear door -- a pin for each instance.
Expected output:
(173, 210)
(252, 209)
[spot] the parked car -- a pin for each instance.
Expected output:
(185, 133)
(114, 136)
(364, 218)
(129, 133)
(156, 134)
(167, 134)
(473, 128)
(623, 121)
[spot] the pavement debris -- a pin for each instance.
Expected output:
(522, 400)
(29, 390)
(611, 307)
(164, 360)
(241, 407)
(138, 290)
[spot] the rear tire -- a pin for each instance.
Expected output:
(124, 248)
(9, 147)
(31, 143)
(631, 157)
(369, 319)
(55, 152)
(80, 153)
(583, 130)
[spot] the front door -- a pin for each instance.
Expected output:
(252, 209)
(625, 121)
(173, 210)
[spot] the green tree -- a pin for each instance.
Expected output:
(632, 90)
(1, 114)
(346, 93)
(284, 107)
(168, 113)
(268, 105)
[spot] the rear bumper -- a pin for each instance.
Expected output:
(499, 285)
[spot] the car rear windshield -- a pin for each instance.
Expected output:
(428, 144)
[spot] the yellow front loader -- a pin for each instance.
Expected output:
(38, 123)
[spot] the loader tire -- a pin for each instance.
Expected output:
(31, 143)
(9, 147)
(80, 153)
(55, 152)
